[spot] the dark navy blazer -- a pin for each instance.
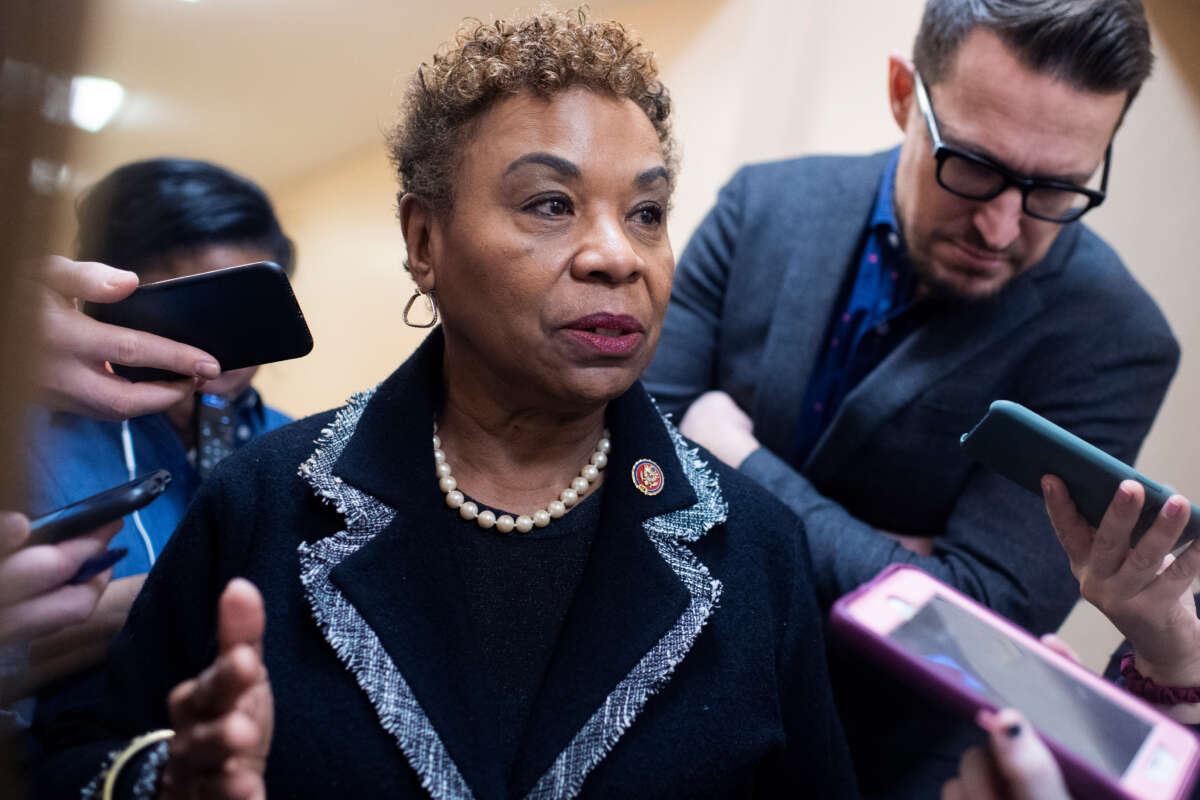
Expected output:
(1074, 338)
(691, 662)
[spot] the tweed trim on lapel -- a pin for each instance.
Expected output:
(668, 532)
(360, 649)
(353, 640)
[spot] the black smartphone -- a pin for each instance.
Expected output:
(1023, 446)
(243, 316)
(92, 512)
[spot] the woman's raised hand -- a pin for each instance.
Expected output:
(1145, 592)
(224, 717)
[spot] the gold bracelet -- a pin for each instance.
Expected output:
(136, 746)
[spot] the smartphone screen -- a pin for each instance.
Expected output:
(1007, 673)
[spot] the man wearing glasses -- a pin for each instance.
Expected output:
(838, 322)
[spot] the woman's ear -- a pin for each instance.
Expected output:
(901, 89)
(420, 226)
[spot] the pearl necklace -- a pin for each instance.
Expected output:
(524, 523)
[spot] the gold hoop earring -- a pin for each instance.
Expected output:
(432, 310)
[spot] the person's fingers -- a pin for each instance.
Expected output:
(104, 395)
(216, 690)
(114, 398)
(1074, 532)
(68, 335)
(14, 530)
(70, 377)
(241, 618)
(953, 790)
(1175, 579)
(1022, 758)
(230, 778)
(179, 701)
(87, 280)
(33, 570)
(1145, 561)
(1056, 644)
(233, 782)
(1110, 547)
(223, 722)
(128, 400)
(205, 746)
(197, 706)
(51, 611)
(980, 779)
(134, 348)
(244, 784)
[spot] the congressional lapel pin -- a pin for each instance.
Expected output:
(647, 477)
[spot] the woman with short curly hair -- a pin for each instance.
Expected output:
(501, 572)
(484, 63)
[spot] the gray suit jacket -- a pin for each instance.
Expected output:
(1075, 338)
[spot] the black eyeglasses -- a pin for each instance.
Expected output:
(977, 178)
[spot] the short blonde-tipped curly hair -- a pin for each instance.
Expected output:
(543, 53)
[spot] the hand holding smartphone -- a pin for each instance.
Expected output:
(1108, 743)
(71, 367)
(34, 597)
(243, 316)
(92, 512)
(1023, 446)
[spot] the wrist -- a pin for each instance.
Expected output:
(137, 769)
(744, 449)
(1183, 713)
(1164, 695)
(1168, 671)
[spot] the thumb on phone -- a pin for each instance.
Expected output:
(88, 280)
(1021, 757)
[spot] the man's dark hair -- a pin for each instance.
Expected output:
(145, 211)
(1095, 45)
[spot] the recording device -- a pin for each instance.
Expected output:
(90, 513)
(97, 564)
(212, 424)
(242, 316)
(1023, 446)
(1108, 743)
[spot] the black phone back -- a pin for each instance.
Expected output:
(242, 316)
(90, 513)
(1023, 446)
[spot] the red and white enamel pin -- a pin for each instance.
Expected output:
(647, 477)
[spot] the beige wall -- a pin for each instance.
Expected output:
(1151, 220)
(755, 80)
(350, 281)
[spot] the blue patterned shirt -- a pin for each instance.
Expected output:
(872, 317)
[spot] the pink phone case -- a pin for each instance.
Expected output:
(863, 619)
